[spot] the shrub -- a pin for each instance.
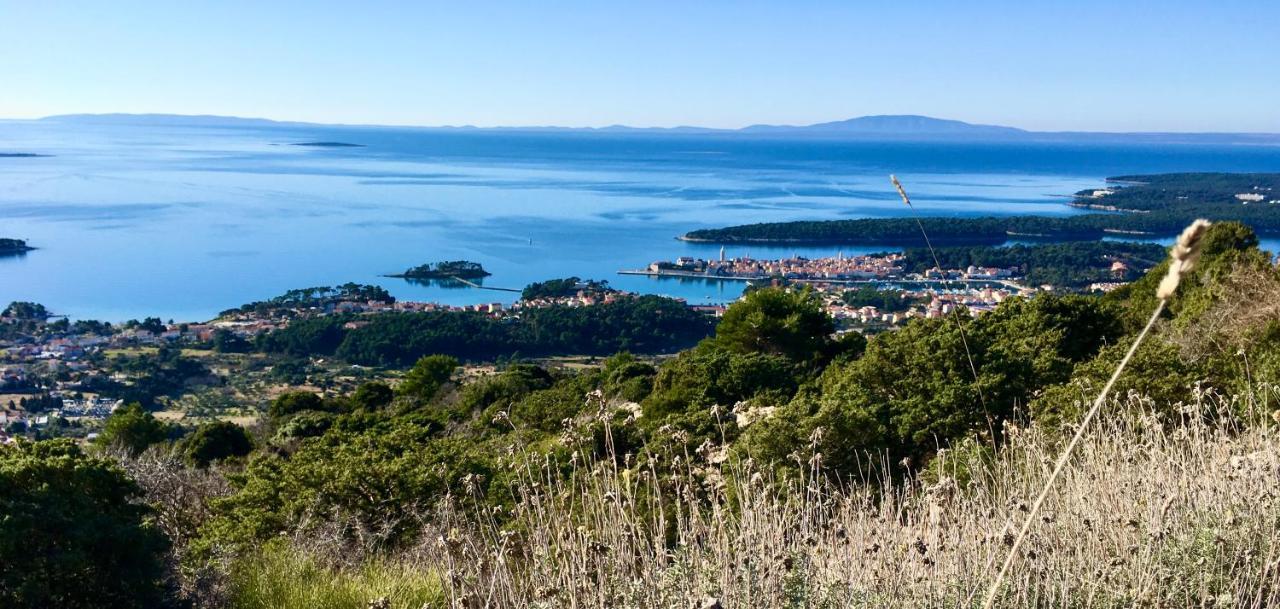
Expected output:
(294, 402)
(373, 395)
(214, 442)
(133, 429)
(790, 323)
(72, 533)
(427, 376)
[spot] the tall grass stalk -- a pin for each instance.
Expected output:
(902, 192)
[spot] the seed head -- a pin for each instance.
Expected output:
(1183, 257)
(901, 192)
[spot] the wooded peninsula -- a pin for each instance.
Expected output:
(1139, 205)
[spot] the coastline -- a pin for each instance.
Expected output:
(886, 281)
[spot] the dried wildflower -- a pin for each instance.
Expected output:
(632, 409)
(1183, 257)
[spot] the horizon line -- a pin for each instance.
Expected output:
(618, 126)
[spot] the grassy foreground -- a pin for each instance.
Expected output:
(1151, 513)
(284, 577)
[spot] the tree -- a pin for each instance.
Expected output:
(914, 390)
(27, 311)
(214, 442)
(226, 341)
(427, 376)
(373, 395)
(777, 321)
(133, 429)
(74, 533)
(294, 402)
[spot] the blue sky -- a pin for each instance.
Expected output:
(1079, 65)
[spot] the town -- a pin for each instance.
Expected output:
(932, 293)
(61, 377)
(839, 268)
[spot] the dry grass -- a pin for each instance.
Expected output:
(1246, 302)
(1150, 513)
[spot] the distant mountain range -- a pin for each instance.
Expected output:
(879, 127)
(901, 124)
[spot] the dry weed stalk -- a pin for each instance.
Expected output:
(973, 368)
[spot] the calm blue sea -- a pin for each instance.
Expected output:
(182, 222)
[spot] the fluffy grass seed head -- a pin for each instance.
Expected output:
(901, 192)
(1183, 257)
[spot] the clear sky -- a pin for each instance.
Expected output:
(1068, 65)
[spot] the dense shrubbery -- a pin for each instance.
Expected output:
(215, 441)
(643, 324)
(132, 429)
(884, 300)
(72, 532)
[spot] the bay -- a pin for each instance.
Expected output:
(181, 222)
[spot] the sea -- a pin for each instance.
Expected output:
(183, 221)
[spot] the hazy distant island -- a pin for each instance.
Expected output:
(453, 269)
(1136, 205)
(329, 145)
(20, 155)
(887, 127)
(10, 247)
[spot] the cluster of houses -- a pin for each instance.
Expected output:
(834, 268)
(582, 298)
(796, 267)
(973, 273)
(975, 300)
(13, 419)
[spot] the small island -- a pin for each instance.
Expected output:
(453, 269)
(9, 247)
(20, 155)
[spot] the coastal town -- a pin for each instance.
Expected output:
(53, 372)
(933, 293)
(838, 268)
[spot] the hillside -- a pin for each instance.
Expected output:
(748, 466)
